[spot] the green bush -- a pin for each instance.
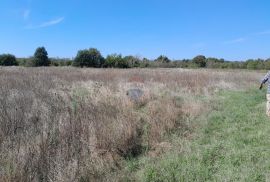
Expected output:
(200, 61)
(60, 62)
(116, 61)
(132, 61)
(69, 63)
(8, 60)
(163, 59)
(41, 57)
(89, 58)
(55, 63)
(144, 63)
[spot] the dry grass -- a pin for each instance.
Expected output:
(68, 124)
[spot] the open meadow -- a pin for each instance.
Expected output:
(72, 124)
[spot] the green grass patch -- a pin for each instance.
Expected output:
(232, 145)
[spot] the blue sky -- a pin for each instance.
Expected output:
(230, 29)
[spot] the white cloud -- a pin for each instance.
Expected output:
(234, 41)
(52, 22)
(47, 24)
(263, 33)
(26, 14)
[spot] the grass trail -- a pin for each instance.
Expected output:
(233, 145)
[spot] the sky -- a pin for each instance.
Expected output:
(229, 29)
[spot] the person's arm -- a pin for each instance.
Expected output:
(265, 79)
(261, 86)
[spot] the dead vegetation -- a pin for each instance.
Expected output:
(68, 124)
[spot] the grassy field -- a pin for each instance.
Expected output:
(68, 124)
(232, 144)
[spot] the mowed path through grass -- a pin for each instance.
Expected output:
(233, 144)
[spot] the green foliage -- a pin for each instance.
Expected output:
(112, 59)
(144, 63)
(161, 62)
(93, 58)
(41, 57)
(69, 63)
(122, 63)
(8, 60)
(214, 62)
(132, 61)
(255, 64)
(116, 61)
(163, 59)
(200, 61)
(55, 63)
(89, 58)
(22, 61)
(60, 62)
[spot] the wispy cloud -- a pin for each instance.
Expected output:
(235, 41)
(248, 36)
(26, 14)
(263, 33)
(47, 23)
(52, 22)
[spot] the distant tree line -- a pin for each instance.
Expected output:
(93, 58)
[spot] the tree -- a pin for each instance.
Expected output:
(255, 64)
(111, 60)
(89, 58)
(251, 64)
(200, 61)
(267, 64)
(145, 63)
(214, 62)
(122, 63)
(8, 60)
(132, 61)
(41, 57)
(163, 59)
(116, 61)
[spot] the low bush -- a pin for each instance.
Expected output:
(8, 60)
(89, 58)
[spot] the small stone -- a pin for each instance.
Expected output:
(135, 94)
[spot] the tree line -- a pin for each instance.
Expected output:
(93, 58)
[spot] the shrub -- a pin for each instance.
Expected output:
(144, 63)
(89, 58)
(60, 62)
(122, 63)
(69, 63)
(8, 60)
(112, 59)
(55, 63)
(132, 61)
(116, 61)
(200, 61)
(163, 59)
(41, 57)
(22, 61)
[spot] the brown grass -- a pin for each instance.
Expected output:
(68, 124)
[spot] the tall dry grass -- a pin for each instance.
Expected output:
(68, 124)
